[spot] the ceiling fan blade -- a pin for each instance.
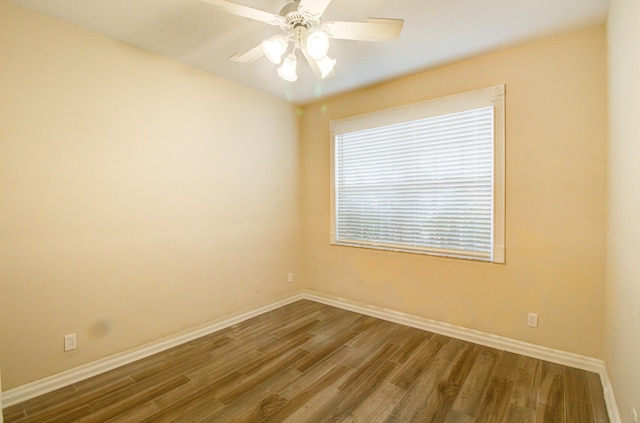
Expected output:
(313, 7)
(246, 11)
(248, 56)
(373, 30)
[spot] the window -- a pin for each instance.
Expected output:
(424, 178)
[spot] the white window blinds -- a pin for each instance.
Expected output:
(422, 185)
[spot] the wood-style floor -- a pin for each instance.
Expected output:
(308, 362)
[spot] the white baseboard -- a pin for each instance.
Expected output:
(60, 380)
(462, 333)
(609, 398)
(51, 383)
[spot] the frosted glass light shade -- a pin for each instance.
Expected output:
(288, 69)
(274, 48)
(317, 44)
(326, 65)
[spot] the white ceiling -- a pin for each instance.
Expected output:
(435, 32)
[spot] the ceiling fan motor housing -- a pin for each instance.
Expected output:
(294, 17)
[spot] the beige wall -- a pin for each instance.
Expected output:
(622, 330)
(139, 197)
(555, 201)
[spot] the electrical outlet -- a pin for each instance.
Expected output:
(256, 287)
(532, 320)
(635, 416)
(290, 277)
(70, 342)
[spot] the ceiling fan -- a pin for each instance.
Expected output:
(303, 28)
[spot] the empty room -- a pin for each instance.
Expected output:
(319, 211)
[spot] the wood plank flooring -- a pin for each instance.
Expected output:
(308, 362)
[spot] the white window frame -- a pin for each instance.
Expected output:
(489, 97)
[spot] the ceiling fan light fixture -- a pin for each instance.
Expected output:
(304, 27)
(274, 48)
(317, 44)
(288, 69)
(326, 65)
